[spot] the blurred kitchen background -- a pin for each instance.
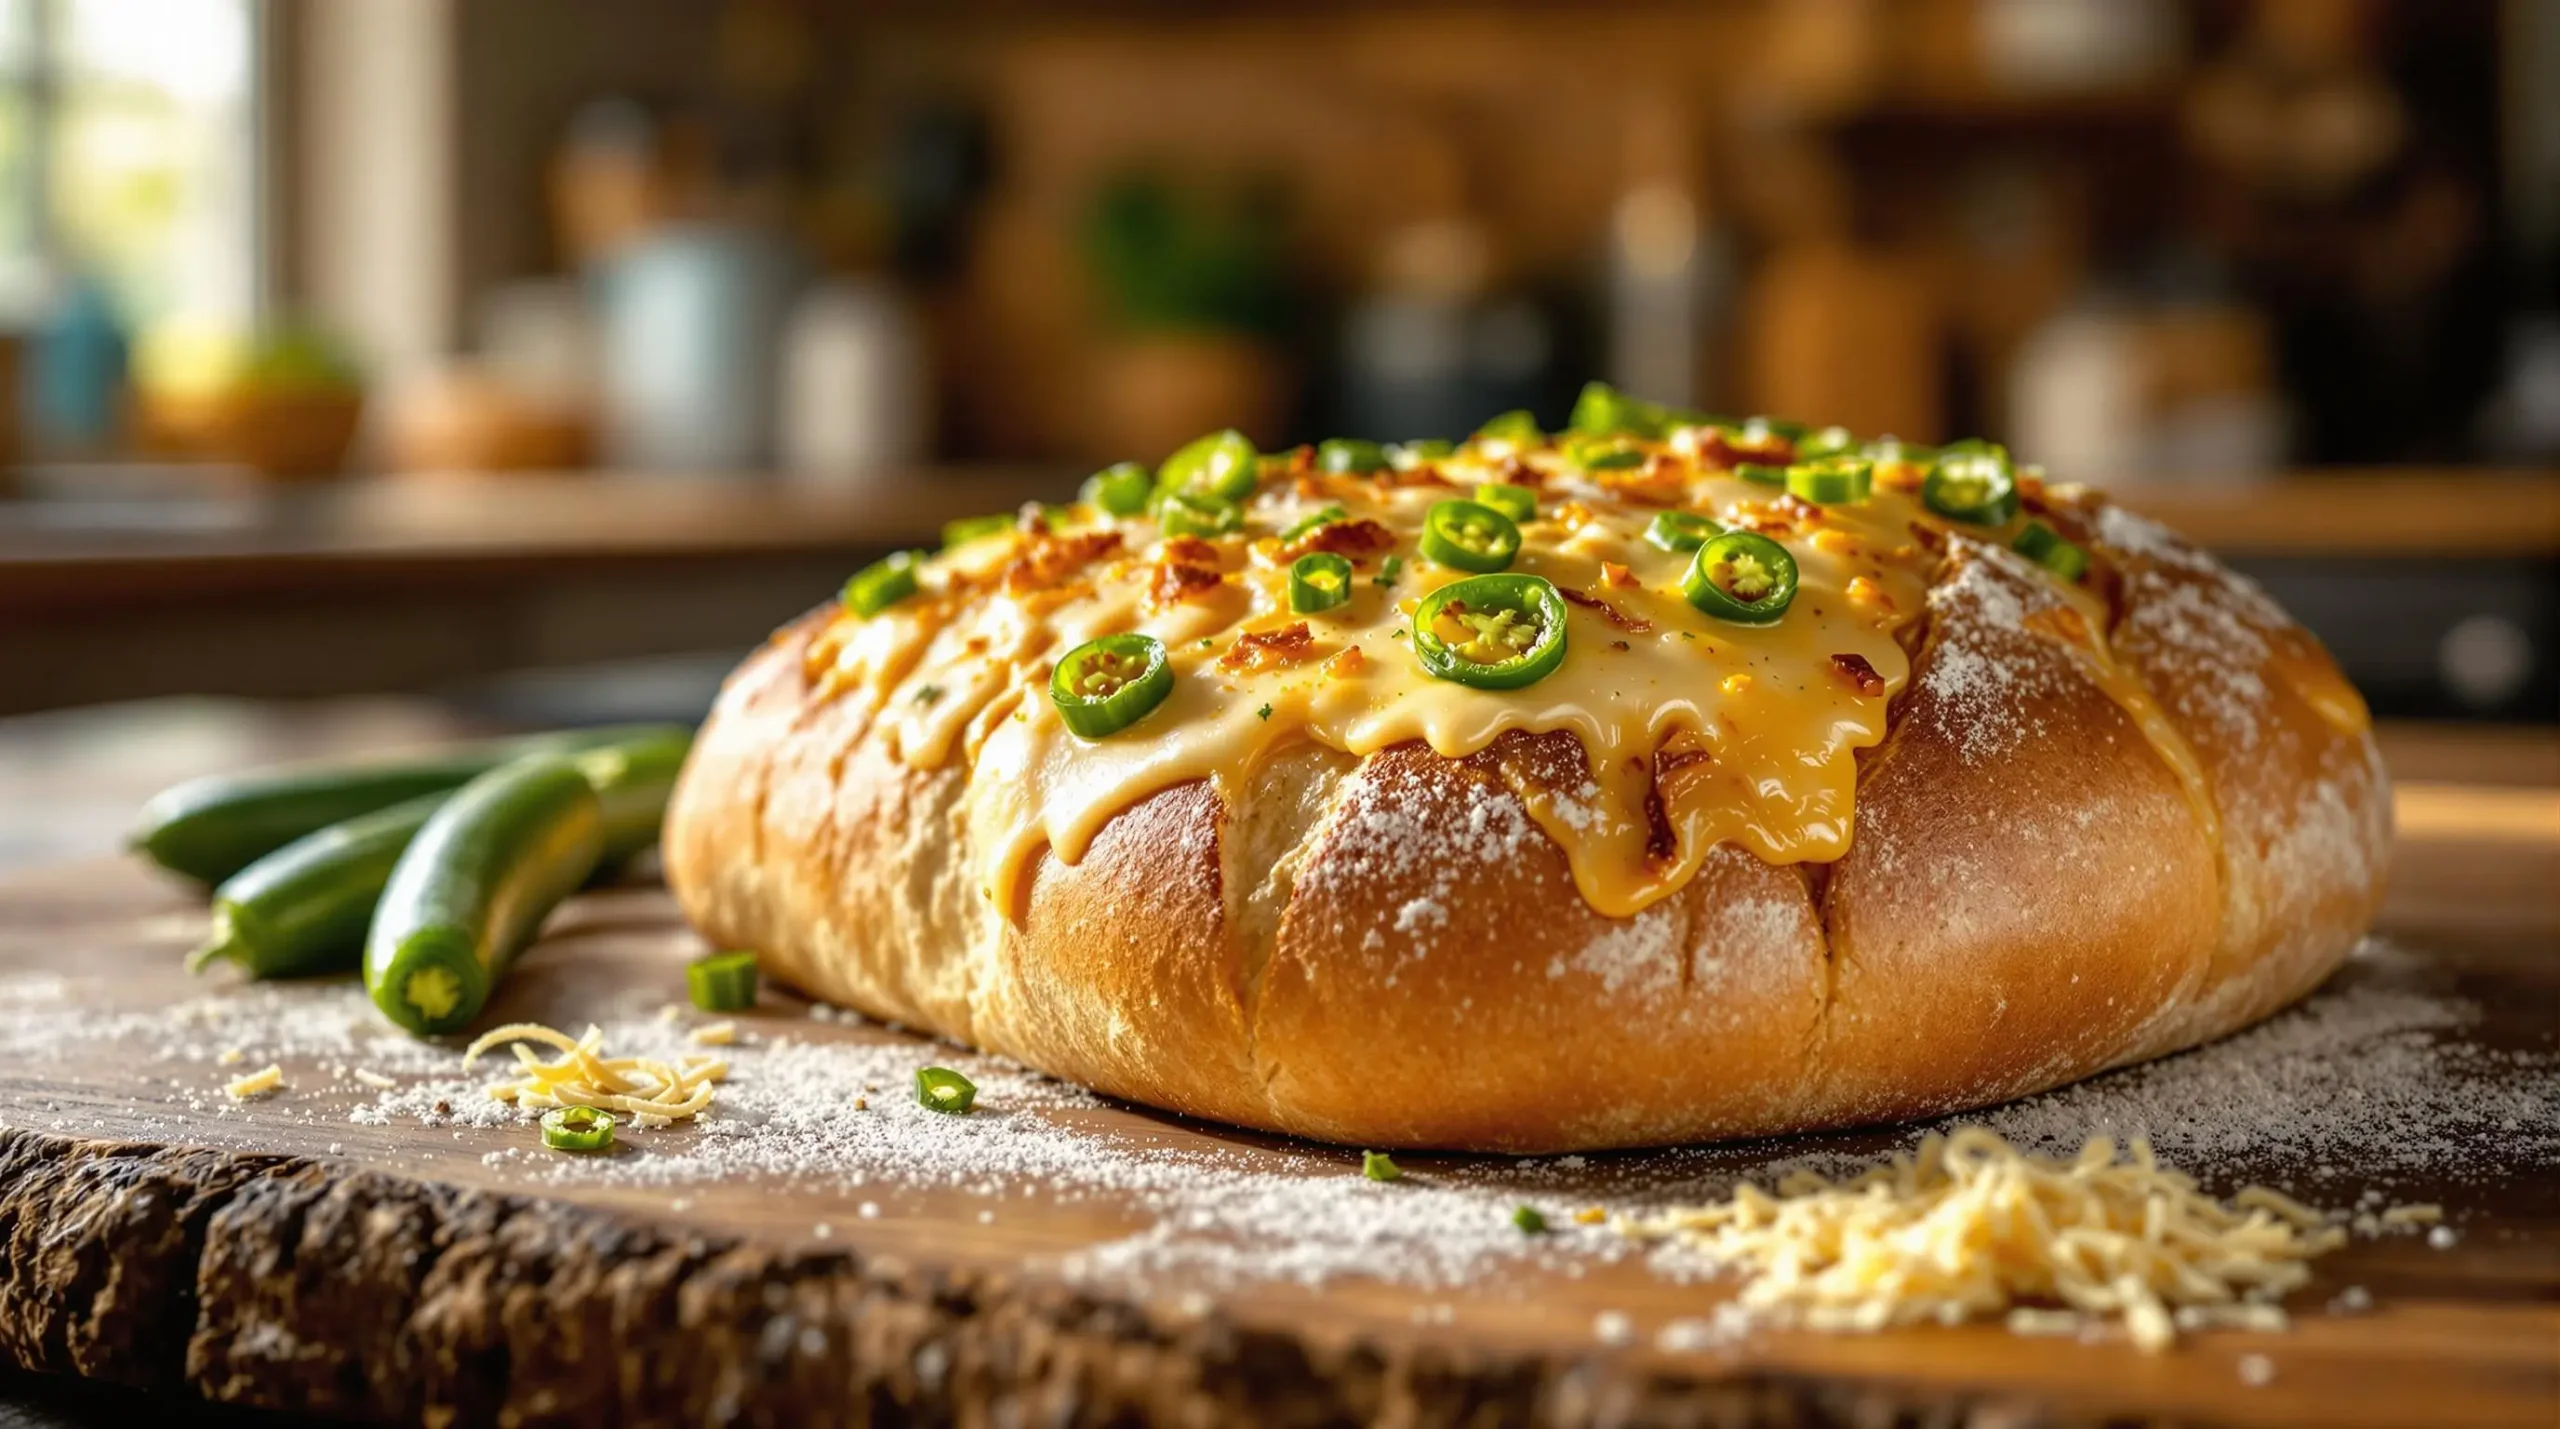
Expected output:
(375, 368)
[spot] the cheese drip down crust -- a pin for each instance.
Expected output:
(1696, 730)
(2015, 786)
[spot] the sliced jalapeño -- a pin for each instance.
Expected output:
(1973, 481)
(1469, 536)
(1104, 686)
(1493, 632)
(1741, 576)
(1319, 580)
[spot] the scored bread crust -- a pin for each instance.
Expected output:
(1386, 951)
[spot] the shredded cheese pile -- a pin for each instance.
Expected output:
(1971, 1225)
(650, 1092)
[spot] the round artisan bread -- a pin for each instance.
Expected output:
(1388, 951)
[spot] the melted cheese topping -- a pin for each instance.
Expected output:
(1696, 730)
(1971, 1225)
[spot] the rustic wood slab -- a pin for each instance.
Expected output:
(278, 1254)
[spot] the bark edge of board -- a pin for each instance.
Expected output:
(294, 1284)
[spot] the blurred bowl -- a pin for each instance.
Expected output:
(288, 433)
(466, 419)
(1157, 391)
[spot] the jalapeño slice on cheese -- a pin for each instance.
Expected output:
(1973, 481)
(1517, 502)
(1324, 516)
(1120, 489)
(1832, 481)
(882, 584)
(1104, 686)
(1318, 581)
(1221, 464)
(1493, 632)
(1183, 513)
(1741, 576)
(2042, 545)
(1469, 536)
(1680, 530)
(1350, 456)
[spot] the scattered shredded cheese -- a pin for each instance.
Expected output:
(269, 1078)
(2425, 1215)
(649, 1091)
(717, 1034)
(231, 1056)
(375, 1079)
(1971, 1225)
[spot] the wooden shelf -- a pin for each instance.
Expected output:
(2394, 511)
(401, 584)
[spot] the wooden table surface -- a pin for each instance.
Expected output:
(279, 1254)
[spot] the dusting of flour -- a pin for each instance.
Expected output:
(2369, 1086)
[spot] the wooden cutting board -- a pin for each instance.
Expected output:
(411, 1266)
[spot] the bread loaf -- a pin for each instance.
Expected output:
(1962, 822)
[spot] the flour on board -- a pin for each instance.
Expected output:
(2370, 1086)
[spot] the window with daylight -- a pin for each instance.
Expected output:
(128, 152)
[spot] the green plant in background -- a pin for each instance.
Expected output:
(1187, 259)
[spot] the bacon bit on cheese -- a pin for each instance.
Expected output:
(1659, 482)
(1186, 568)
(1353, 540)
(1718, 447)
(1870, 592)
(1611, 573)
(1573, 515)
(1839, 543)
(1258, 650)
(1347, 665)
(1736, 683)
(1860, 675)
(1633, 625)
(1052, 558)
(1763, 519)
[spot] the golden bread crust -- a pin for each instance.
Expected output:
(1389, 952)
